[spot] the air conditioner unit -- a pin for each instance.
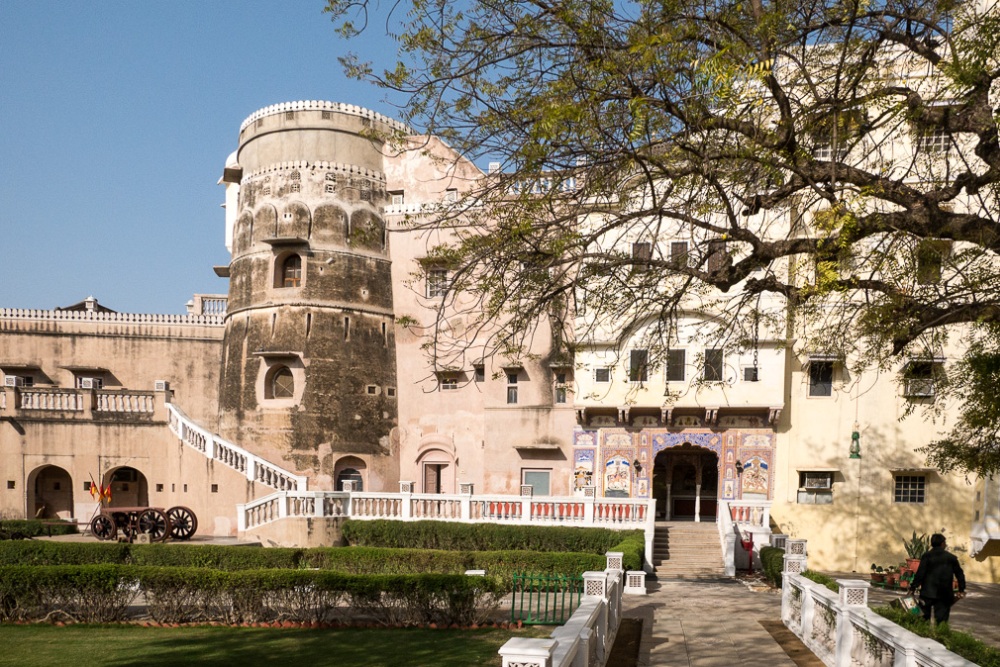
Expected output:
(819, 480)
(161, 385)
(88, 383)
(919, 387)
(397, 200)
(13, 381)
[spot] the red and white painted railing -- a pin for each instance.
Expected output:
(616, 513)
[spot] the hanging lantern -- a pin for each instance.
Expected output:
(855, 443)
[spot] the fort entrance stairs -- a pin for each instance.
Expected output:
(687, 550)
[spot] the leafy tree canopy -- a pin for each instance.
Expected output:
(831, 165)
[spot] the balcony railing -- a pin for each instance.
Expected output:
(103, 403)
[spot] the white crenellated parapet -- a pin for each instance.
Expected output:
(322, 105)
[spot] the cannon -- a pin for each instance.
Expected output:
(178, 523)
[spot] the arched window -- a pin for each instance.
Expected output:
(291, 271)
(282, 383)
(350, 474)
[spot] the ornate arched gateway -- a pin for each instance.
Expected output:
(688, 469)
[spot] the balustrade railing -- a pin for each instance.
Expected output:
(125, 401)
(252, 467)
(62, 400)
(841, 630)
(618, 513)
(100, 316)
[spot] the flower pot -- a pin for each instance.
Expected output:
(891, 579)
(878, 577)
(912, 564)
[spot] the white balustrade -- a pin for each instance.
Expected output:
(99, 316)
(586, 638)
(841, 630)
(212, 446)
(63, 400)
(125, 401)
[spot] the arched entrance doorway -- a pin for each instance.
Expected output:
(350, 469)
(50, 493)
(686, 483)
(128, 487)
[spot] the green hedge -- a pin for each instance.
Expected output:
(503, 562)
(961, 643)
(480, 536)
(11, 529)
(102, 593)
(772, 560)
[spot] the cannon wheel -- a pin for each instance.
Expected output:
(183, 523)
(123, 523)
(154, 523)
(103, 527)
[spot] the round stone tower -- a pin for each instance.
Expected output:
(308, 375)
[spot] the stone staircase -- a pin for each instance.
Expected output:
(687, 550)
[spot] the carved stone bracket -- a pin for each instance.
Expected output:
(623, 414)
(581, 416)
(773, 415)
(666, 415)
(712, 416)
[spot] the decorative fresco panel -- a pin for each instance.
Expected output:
(583, 468)
(617, 477)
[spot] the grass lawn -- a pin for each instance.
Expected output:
(46, 645)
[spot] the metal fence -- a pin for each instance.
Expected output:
(540, 599)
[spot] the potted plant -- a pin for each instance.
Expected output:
(916, 547)
(891, 576)
(878, 574)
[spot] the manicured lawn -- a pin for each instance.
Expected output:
(45, 645)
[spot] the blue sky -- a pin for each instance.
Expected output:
(115, 122)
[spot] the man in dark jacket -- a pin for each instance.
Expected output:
(934, 579)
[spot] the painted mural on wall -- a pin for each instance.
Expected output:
(745, 457)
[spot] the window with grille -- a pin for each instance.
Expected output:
(820, 378)
(638, 366)
(716, 255)
(449, 383)
(909, 488)
(511, 388)
(291, 271)
(679, 254)
(933, 140)
(713, 365)
(930, 258)
(282, 383)
(438, 282)
(602, 375)
(560, 388)
(918, 378)
(642, 253)
(675, 365)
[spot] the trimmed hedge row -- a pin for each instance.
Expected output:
(350, 560)
(479, 536)
(772, 561)
(492, 548)
(102, 593)
(15, 529)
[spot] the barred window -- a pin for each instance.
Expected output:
(909, 489)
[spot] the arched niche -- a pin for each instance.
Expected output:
(50, 493)
(129, 487)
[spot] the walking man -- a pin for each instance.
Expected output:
(934, 579)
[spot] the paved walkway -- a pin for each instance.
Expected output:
(707, 623)
(726, 622)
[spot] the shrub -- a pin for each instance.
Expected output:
(481, 536)
(214, 556)
(87, 593)
(13, 529)
(772, 561)
(40, 552)
(822, 579)
(960, 643)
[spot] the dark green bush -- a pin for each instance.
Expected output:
(481, 536)
(214, 556)
(102, 593)
(23, 528)
(772, 561)
(960, 643)
(822, 580)
(41, 552)
(85, 593)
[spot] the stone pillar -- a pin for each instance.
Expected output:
(525, 652)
